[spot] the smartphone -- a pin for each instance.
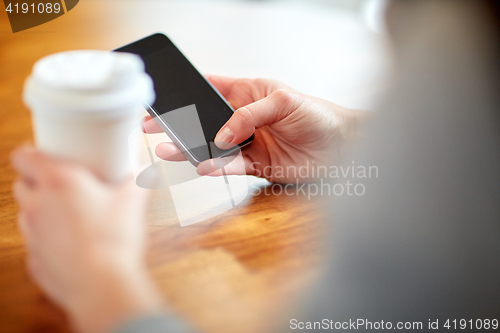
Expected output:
(187, 107)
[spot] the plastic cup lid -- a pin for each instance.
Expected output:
(88, 82)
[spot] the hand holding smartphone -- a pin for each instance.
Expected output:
(187, 107)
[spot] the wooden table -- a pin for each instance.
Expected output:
(236, 272)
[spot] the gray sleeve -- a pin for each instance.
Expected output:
(423, 242)
(161, 323)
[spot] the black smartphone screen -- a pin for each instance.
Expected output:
(179, 85)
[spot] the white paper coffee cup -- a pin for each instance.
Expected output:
(84, 106)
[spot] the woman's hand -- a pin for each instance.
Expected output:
(85, 240)
(292, 130)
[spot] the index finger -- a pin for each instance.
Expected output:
(28, 163)
(150, 126)
(32, 165)
(38, 168)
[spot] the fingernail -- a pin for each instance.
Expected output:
(17, 154)
(14, 157)
(224, 138)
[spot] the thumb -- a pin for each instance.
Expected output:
(269, 110)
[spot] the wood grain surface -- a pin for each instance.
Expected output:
(237, 272)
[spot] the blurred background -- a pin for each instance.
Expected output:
(334, 49)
